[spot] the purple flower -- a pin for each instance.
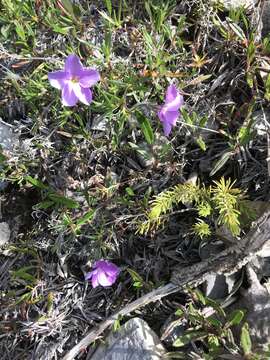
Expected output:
(74, 81)
(105, 273)
(169, 112)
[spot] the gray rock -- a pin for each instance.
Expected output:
(260, 125)
(217, 286)
(134, 341)
(256, 301)
(251, 4)
(100, 123)
(266, 18)
(262, 266)
(233, 4)
(4, 233)
(261, 263)
(8, 140)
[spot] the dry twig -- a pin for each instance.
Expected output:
(228, 261)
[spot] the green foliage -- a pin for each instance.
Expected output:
(165, 202)
(195, 124)
(202, 229)
(115, 16)
(146, 128)
(51, 198)
(245, 339)
(138, 282)
(221, 202)
(267, 88)
(117, 323)
(207, 324)
(158, 12)
(189, 336)
(226, 200)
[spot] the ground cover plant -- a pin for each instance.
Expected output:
(139, 134)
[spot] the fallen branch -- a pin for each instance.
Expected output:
(152, 296)
(228, 261)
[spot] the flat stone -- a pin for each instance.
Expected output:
(260, 118)
(134, 341)
(4, 233)
(266, 18)
(233, 4)
(217, 286)
(256, 301)
(8, 140)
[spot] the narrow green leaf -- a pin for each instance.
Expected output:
(3, 158)
(87, 217)
(135, 276)
(215, 322)
(116, 325)
(61, 30)
(37, 183)
(107, 17)
(109, 6)
(251, 52)
(215, 306)
(44, 204)
(146, 127)
(235, 318)
(213, 342)
(63, 201)
(200, 296)
(245, 339)
(245, 135)
(221, 162)
(67, 4)
(188, 119)
(250, 79)
(201, 143)
(129, 191)
(267, 88)
(192, 336)
(179, 312)
(176, 355)
(20, 30)
(236, 29)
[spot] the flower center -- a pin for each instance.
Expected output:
(74, 79)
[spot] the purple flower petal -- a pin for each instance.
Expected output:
(171, 93)
(171, 117)
(95, 282)
(83, 94)
(99, 264)
(105, 273)
(89, 77)
(75, 81)
(173, 99)
(68, 96)
(73, 65)
(111, 269)
(167, 128)
(103, 279)
(88, 275)
(57, 79)
(169, 120)
(169, 112)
